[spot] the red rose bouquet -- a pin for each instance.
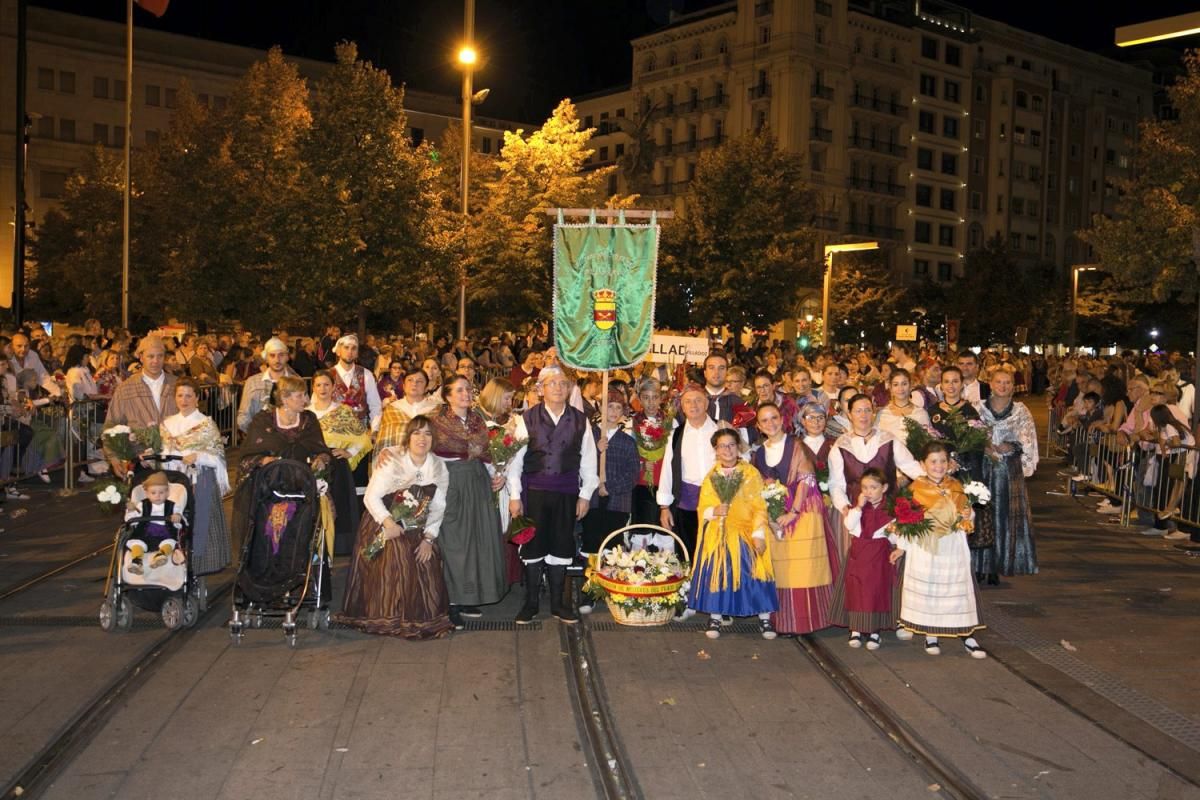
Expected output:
(910, 521)
(520, 531)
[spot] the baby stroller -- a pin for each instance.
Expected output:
(284, 564)
(170, 589)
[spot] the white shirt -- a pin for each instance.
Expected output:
(156, 387)
(854, 526)
(374, 406)
(815, 443)
(34, 362)
(589, 475)
(80, 383)
(698, 458)
(893, 422)
(970, 393)
(399, 473)
(864, 449)
(1187, 399)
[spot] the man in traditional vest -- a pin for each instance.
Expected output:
(551, 481)
(355, 387)
(686, 462)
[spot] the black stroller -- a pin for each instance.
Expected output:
(171, 589)
(284, 566)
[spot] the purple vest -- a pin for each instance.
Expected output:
(552, 455)
(853, 469)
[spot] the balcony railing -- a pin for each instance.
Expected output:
(822, 92)
(877, 146)
(879, 187)
(872, 229)
(882, 106)
(820, 134)
(760, 91)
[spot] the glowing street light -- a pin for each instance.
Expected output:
(1158, 29)
(830, 249)
(1075, 270)
(467, 55)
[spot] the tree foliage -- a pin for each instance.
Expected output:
(744, 243)
(865, 305)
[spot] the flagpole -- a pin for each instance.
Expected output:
(128, 138)
(604, 431)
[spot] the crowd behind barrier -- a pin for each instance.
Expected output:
(1159, 481)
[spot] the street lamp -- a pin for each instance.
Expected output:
(467, 57)
(830, 249)
(1075, 270)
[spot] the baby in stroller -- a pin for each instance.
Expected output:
(156, 505)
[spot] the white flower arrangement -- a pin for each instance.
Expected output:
(118, 430)
(109, 494)
(979, 494)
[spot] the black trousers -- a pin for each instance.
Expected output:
(645, 506)
(553, 515)
(687, 526)
(599, 523)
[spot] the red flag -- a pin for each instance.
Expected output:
(155, 7)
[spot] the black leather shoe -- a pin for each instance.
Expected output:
(470, 612)
(456, 619)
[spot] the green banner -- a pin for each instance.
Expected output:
(604, 293)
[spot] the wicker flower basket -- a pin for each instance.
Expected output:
(640, 617)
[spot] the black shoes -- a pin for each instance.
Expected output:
(456, 619)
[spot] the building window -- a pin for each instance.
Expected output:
(649, 64)
(1123, 161)
(1035, 172)
(118, 90)
(946, 235)
(975, 236)
(1031, 243)
(1037, 102)
(929, 47)
(418, 136)
(153, 95)
(1018, 170)
(619, 150)
(170, 98)
(950, 92)
(924, 158)
(66, 130)
(816, 160)
(1032, 208)
(118, 135)
(100, 134)
(202, 99)
(1022, 100)
(926, 121)
(949, 164)
(45, 79)
(1018, 134)
(66, 82)
(612, 184)
(764, 34)
(1035, 138)
(1017, 205)
(672, 58)
(953, 55)
(924, 195)
(587, 122)
(928, 85)
(976, 201)
(1014, 241)
(1000, 203)
(948, 199)
(977, 165)
(1074, 152)
(819, 35)
(1050, 246)
(100, 88)
(923, 232)
(950, 127)
(1003, 131)
(945, 271)
(53, 184)
(486, 147)
(45, 127)
(980, 94)
(921, 267)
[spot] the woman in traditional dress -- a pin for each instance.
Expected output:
(197, 448)
(732, 574)
(495, 403)
(396, 414)
(939, 597)
(1013, 458)
(391, 385)
(346, 435)
(804, 556)
(289, 430)
(651, 429)
(947, 416)
(402, 591)
(471, 542)
(900, 407)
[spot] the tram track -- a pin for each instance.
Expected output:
(25, 584)
(614, 773)
(40, 771)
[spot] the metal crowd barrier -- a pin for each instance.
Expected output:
(1135, 477)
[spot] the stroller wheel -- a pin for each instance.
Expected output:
(124, 615)
(289, 633)
(108, 616)
(323, 619)
(200, 592)
(314, 619)
(172, 613)
(235, 632)
(191, 611)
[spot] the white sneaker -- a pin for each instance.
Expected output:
(873, 641)
(855, 640)
(1109, 509)
(1152, 531)
(44, 477)
(903, 634)
(685, 614)
(585, 608)
(932, 648)
(726, 621)
(13, 493)
(1177, 536)
(85, 478)
(973, 648)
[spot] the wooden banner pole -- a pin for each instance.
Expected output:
(604, 433)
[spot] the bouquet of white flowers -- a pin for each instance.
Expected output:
(979, 494)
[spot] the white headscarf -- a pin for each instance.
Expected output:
(273, 345)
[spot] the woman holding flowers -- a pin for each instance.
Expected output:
(396, 586)
(346, 435)
(957, 422)
(939, 598)
(732, 573)
(900, 406)
(195, 445)
(495, 403)
(474, 562)
(804, 556)
(651, 428)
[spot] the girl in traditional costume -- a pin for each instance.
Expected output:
(865, 597)
(732, 574)
(939, 598)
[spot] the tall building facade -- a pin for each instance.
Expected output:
(75, 100)
(922, 125)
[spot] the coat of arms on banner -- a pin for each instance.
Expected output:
(604, 308)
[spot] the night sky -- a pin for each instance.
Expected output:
(537, 51)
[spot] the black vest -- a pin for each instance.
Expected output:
(553, 449)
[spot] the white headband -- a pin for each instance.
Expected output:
(274, 345)
(347, 339)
